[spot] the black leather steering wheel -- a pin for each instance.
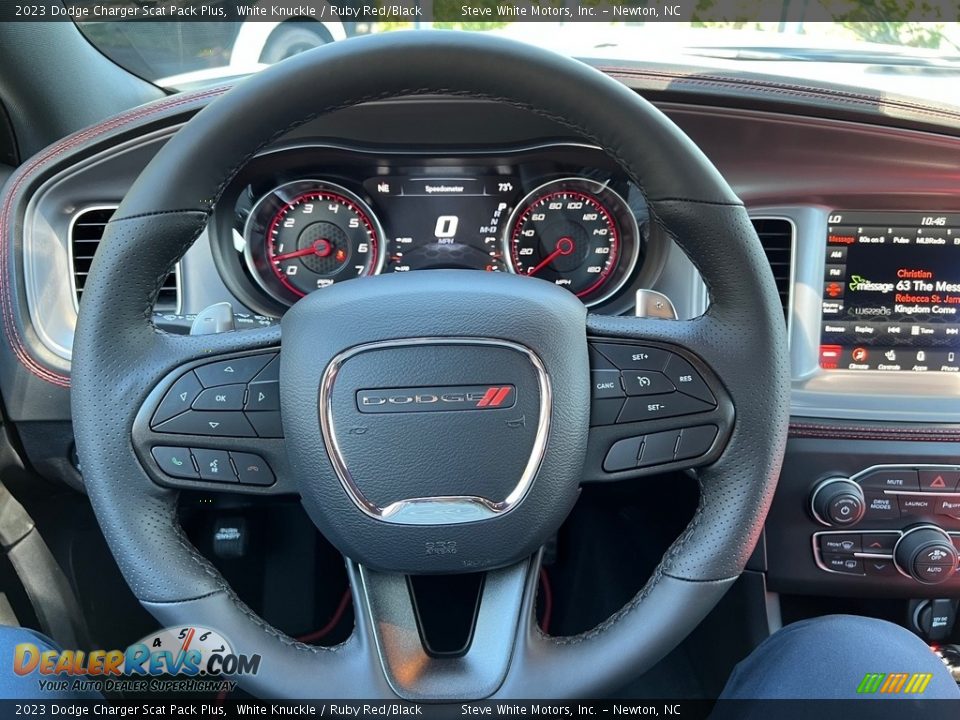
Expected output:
(430, 509)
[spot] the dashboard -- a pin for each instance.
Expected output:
(866, 220)
(301, 218)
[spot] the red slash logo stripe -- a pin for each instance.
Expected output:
(494, 397)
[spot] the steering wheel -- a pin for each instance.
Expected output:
(396, 486)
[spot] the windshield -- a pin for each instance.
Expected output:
(903, 56)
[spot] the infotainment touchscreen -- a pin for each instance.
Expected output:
(891, 292)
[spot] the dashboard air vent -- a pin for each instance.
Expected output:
(776, 236)
(86, 230)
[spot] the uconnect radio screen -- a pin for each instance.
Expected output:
(891, 292)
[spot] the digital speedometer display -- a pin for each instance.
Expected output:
(443, 222)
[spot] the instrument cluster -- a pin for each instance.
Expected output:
(299, 219)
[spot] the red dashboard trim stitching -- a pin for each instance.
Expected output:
(875, 432)
(798, 90)
(26, 174)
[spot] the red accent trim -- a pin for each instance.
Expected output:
(874, 432)
(680, 78)
(25, 175)
(500, 397)
(488, 397)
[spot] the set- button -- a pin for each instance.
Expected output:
(213, 465)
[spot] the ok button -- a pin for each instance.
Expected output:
(225, 397)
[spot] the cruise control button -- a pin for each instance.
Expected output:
(623, 455)
(646, 382)
(605, 412)
(175, 461)
(688, 380)
(178, 398)
(659, 448)
(881, 507)
(840, 543)
(843, 564)
(229, 372)
(252, 469)
(634, 357)
(225, 397)
(214, 465)
(915, 505)
(879, 542)
(205, 422)
(939, 480)
(263, 396)
(695, 441)
(652, 407)
(605, 384)
(267, 424)
(890, 480)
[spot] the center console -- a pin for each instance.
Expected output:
(868, 504)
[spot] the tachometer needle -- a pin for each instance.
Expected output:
(564, 247)
(320, 248)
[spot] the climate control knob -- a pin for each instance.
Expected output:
(926, 554)
(838, 502)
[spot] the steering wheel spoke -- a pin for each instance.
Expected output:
(214, 423)
(656, 405)
(399, 621)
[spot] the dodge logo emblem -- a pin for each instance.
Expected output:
(434, 399)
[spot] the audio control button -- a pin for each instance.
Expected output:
(894, 479)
